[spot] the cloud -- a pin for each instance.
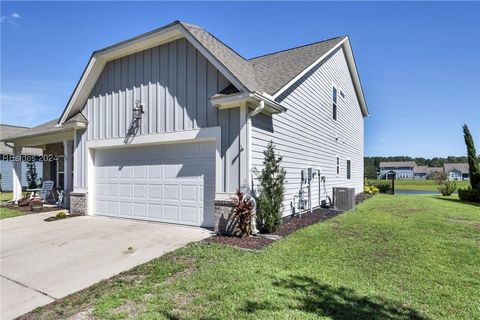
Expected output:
(11, 19)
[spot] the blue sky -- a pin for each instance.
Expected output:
(419, 62)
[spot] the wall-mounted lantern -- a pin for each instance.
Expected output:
(137, 110)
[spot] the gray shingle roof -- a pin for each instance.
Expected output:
(8, 131)
(390, 164)
(275, 70)
(462, 167)
(268, 73)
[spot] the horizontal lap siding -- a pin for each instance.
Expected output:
(306, 134)
(174, 82)
(6, 170)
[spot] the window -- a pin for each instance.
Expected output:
(349, 173)
(338, 165)
(334, 103)
(342, 94)
(60, 172)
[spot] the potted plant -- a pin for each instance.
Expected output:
(36, 205)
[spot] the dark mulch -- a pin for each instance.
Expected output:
(289, 225)
(27, 209)
(359, 198)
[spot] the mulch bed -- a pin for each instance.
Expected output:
(289, 225)
(27, 209)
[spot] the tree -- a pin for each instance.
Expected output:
(271, 193)
(473, 165)
(32, 173)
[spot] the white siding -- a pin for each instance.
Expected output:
(306, 134)
(174, 82)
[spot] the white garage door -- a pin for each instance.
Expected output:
(167, 183)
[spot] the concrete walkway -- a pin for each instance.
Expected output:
(43, 261)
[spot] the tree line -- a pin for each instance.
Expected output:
(371, 164)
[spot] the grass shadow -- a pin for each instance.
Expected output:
(459, 201)
(323, 300)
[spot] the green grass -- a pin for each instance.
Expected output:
(426, 185)
(9, 213)
(393, 257)
(5, 196)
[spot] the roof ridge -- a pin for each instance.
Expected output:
(226, 45)
(13, 125)
(293, 48)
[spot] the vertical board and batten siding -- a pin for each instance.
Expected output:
(306, 134)
(6, 170)
(174, 82)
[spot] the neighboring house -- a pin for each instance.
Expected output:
(167, 125)
(420, 173)
(457, 171)
(397, 170)
(6, 158)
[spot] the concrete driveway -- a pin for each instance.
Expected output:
(43, 261)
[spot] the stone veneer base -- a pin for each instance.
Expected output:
(78, 203)
(224, 224)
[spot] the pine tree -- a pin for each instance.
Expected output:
(270, 200)
(32, 173)
(473, 165)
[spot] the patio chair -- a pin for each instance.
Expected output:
(47, 191)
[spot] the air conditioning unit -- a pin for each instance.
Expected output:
(343, 198)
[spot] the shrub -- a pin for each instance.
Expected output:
(61, 215)
(243, 214)
(383, 187)
(446, 188)
(370, 189)
(270, 199)
(36, 205)
(469, 194)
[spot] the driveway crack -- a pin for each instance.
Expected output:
(28, 287)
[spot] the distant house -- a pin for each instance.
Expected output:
(397, 170)
(6, 157)
(420, 172)
(457, 171)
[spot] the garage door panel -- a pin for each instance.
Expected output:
(170, 183)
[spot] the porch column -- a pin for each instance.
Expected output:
(68, 168)
(17, 174)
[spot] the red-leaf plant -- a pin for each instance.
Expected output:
(243, 214)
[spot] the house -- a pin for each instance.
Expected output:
(6, 157)
(167, 125)
(420, 172)
(457, 171)
(397, 170)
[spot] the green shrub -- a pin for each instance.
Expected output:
(370, 189)
(446, 188)
(272, 187)
(61, 215)
(469, 194)
(383, 187)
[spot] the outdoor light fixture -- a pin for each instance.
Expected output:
(137, 110)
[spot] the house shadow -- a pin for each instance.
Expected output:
(132, 131)
(458, 201)
(322, 300)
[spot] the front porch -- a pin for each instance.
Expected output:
(57, 143)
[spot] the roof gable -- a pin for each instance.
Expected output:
(270, 74)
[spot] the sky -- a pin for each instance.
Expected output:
(419, 62)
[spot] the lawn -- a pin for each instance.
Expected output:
(5, 196)
(9, 213)
(426, 185)
(393, 257)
